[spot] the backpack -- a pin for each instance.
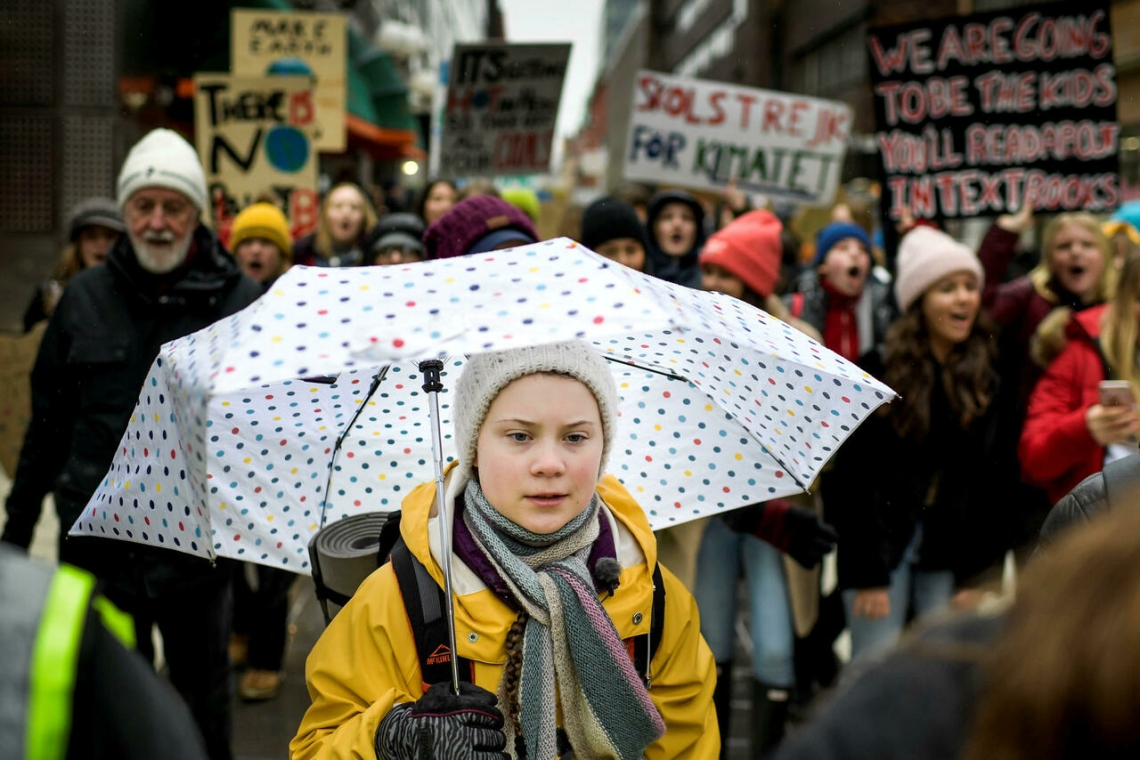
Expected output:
(429, 621)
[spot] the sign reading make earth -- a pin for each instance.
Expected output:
(977, 114)
(502, 104)
(253, 138)
(300, 43)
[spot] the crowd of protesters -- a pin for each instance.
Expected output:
(999, 416)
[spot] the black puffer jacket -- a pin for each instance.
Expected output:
(957, 482)
(96, 352)
(1114, 487)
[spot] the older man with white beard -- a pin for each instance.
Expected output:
(168, 277)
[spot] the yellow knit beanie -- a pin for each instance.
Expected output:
(263, 220)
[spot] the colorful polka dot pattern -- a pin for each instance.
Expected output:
(223, 420)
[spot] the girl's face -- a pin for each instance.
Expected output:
(438, 202)
(259, 258)
(721, 280)
(540, 450)
(625, 251)
(94, 242)
(846, 266)
(675, 229)
(345, 214)
(949, 308)
(1076, 261)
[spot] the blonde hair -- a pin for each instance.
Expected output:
(1119, 331)
(1043, 272)
(324, 242)
(69, 264)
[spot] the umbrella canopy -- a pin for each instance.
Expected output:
(229, 453)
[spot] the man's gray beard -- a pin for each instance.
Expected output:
(161, 262)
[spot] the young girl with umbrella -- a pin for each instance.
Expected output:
(552, 568)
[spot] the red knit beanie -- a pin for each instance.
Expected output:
(750, 248)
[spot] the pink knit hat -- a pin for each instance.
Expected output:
(926, 255)
(750, 248)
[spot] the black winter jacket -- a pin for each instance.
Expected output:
(1116, 486)
(880, 486)
(917, 703)
(96, 352)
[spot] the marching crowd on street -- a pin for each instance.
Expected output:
(1000, 426)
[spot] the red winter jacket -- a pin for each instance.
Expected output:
(1057, 451)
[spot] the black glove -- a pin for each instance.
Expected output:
(800, 533)
(443, 726)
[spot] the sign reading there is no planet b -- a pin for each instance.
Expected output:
(502, 105)
(254, 140)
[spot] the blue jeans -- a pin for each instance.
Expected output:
(927, 590)
(723, 550)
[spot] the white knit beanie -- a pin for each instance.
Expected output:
(926, 255)
(163, 159)
(485, 375)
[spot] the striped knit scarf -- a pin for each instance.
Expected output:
(569, 641)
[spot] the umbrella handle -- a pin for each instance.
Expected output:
(432, 385)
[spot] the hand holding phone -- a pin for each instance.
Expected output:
(1116, 393)
(1114, 420)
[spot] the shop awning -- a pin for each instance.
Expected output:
(377, 119)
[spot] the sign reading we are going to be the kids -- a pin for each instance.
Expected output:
(976, 114)
(701, 134)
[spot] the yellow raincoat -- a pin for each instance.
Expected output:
(366, 660)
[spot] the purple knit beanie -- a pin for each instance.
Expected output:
(460, 230)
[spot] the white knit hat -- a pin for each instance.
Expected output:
(163, 159)
(485, 375)
(926, 255)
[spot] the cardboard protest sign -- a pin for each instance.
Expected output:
(253, 140)
(266, 43)
(976, 114)
(17, 355)
(702, 134)
(502, 103)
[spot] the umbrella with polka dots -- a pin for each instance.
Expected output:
(308, 406)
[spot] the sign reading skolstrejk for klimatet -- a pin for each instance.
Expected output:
(702, 134)
(502, 105)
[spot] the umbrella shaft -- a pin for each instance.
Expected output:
(444, 531)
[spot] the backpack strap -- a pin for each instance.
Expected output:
(645, 645)
(425, 605)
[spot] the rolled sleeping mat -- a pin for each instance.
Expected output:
(343, 554)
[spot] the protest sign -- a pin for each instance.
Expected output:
(17, 355)
(702, 134)
(299, 43)
(976, 114)
(253, 140)
(502, 103)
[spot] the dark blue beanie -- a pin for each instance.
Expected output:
(832, 234)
